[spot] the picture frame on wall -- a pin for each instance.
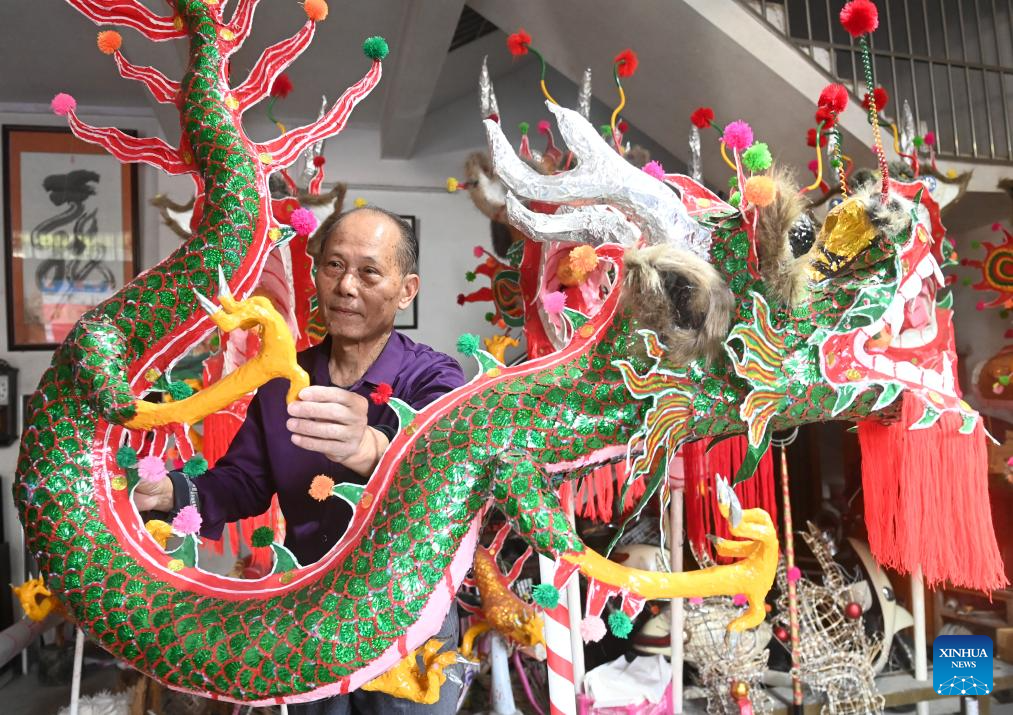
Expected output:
(70, 231)
(408, 319)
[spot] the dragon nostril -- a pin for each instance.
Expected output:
(680, 291)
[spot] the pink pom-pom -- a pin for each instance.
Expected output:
(187, 521)
(478, 251)
(303, 221)
(794, 574)
(151, 469)
(544, 127)
(1009, 462)
(980, 305)
(592, 629)
(740, 599)
(63, 104)
(655, 169)
(930, 138)
(814, 166)
(738, 135)
(696, 601)
(997, 226)
(554, 302)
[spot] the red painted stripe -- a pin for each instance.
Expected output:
(560, 665)
(553, 710)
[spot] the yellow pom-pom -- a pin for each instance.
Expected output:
(360, 202)
(760, 190)
(159, 530)
(452, 184)
(109, 41)
(583, 259)
(316, 10)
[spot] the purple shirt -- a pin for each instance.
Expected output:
(262, 461)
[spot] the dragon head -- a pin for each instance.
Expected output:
(757, 316)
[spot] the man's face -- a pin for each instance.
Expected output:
(360, 285)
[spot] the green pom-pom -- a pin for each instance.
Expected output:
(375, 48)
(975, 244)
(620, 624)
(735, 199)
(757, 157)
(263, 536)
(195, 466)
(733, 182)
(966, 282)
(126, 457)
(606, 130)
(468, 344)
(546, 595)
(470, 276)
(836, 163)
(180, 390)
(918, 141)
(490, 317)
(524, 126)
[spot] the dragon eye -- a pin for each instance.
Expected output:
(802, 234)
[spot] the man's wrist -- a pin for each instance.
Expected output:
(371, 447)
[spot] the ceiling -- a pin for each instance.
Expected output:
(692, 52)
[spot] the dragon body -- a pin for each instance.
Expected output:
(373, 601)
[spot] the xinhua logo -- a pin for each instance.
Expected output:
(962, 665)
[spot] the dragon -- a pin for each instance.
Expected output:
(646, 369)
(369, 605)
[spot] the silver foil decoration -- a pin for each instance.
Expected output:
(695, 164)
(584, 98)
(601, 179)
(907, 129)
(309, 170)
(486, 95)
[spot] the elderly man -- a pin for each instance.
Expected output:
(366, 271)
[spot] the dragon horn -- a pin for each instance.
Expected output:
(486, 95)
(206, 304)
(223, 284)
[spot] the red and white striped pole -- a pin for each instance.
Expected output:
(562, 684)
(789, 561)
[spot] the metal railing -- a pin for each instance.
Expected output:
(952, 60)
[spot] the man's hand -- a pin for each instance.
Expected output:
(332, 421)
(154, 496)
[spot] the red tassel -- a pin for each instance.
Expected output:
(703, 516)
(926, 499)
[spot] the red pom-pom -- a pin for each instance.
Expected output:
(518, 43)
(859, 17)
(623, 126)
(460, 298)
(319, 161)
(381, 395)
(702, 117)
(626, 63)
(109, 41)
(810, 138)
(881, 96)
(930, 138)
(781, 633)
(853, 611)
(478, 251)
(827, 116)
(282, 86)
(63, 104)
(834, 97)
(544, 127)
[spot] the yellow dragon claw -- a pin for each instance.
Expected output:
(408, 681)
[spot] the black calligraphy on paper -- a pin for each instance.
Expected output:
(70, 238)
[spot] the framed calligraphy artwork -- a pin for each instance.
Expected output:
(70, 231)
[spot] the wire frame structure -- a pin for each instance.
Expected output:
(836, 654)
(721, 659)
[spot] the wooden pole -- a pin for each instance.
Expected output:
(918, 611)
(675, 544)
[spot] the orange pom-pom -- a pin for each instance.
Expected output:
(109, 41)
(760, 190)
(583, 259)
(316, 10)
